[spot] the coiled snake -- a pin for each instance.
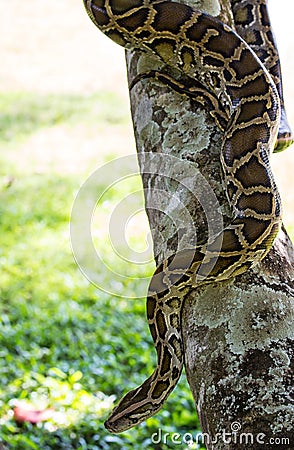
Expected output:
(246, 101)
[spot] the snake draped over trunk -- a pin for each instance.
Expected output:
(214, 62)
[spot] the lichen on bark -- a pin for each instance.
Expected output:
(238, 334)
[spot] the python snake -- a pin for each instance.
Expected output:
(252, 23)
(217, 67)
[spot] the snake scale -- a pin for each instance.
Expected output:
(246, 100)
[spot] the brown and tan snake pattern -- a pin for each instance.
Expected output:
(215, 63)
(252, 23)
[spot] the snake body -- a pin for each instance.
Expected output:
(252, 23)
(212, 58)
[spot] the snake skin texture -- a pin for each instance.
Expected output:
(252, 23)
(218, 68)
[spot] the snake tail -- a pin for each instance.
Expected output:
(164, 323)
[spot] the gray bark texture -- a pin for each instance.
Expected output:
(237, 333)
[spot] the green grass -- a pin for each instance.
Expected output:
(64, 343)
(24, 113)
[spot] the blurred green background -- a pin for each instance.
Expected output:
(64, 111)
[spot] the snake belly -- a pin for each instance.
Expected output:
(210, 54)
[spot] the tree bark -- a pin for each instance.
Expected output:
(237, 333)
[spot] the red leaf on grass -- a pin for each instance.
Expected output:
(28, 414)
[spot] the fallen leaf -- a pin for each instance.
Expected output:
(25, 413)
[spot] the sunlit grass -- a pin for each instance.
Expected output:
(64, 343)
(290, 230)
(63, 393)
(24, 113)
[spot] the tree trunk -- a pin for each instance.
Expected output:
(237, 333)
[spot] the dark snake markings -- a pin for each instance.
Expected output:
(219, 68)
